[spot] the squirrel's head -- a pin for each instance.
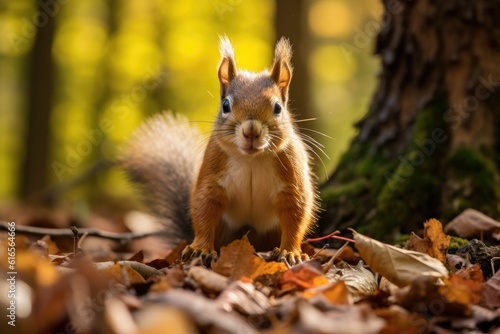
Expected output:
(253, 116)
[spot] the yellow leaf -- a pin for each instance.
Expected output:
(435, 243)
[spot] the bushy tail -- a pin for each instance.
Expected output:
(163, 157)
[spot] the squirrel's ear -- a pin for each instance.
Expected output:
(282, 69)
(227, 67)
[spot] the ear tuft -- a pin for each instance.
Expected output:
(227, 67)
(283, 50)
(225, 48)
(282, 69)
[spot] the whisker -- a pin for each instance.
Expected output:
(277, 156)
(318, 132)
(304, 120)
(321, 160)
(317, 143)
(318, 148)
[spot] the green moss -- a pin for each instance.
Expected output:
(402, 240)
(354, 188)
(411, 193)
(476, 180)
(456, 243)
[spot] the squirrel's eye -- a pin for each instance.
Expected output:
(277, 108)
(226, 106)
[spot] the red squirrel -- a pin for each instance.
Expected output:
(254, 174)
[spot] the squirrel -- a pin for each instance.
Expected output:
(254, 175)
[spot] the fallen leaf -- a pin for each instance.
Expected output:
(208, 280)
(244, 298)
(399, 320)
(334, 293)
(306, 275)
(435, 243)
(145, 271)
(359, 281)
(138, 257)
(154, 319)
(159, 284)
(176, 253)
(118, 318)
(353, 319)
(158, 263)
(238, 259)
(202, 310)
(470, 279)
(124, 274)
(34, 269)
(431, 298)
(400, 266)
(471, 223)
(480, 320)
(491, 293)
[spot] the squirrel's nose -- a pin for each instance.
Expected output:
(251, 135)
(251, 129)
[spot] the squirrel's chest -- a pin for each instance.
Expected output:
(252, 186)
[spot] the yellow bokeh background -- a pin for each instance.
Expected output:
(122, 61)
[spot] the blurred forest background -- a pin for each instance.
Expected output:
(76, 78)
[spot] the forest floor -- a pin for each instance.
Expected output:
(82, 280)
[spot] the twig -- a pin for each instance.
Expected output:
(332, 235)
(91, 232)
(74, 230)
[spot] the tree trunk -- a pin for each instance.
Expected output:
(291, 22)
(40, 105)
(427, 146)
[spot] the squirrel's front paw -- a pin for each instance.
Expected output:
(205, 255)
(291, 257)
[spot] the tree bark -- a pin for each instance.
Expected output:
(427, 146)
(37, 145)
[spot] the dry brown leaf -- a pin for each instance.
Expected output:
(238, 259)
(400, 266)
(244, 298)
(154, 319)
(158, 263)
(303, 276)
(142, 269)
(161, 284)
(138, 257)
(426, 295)
(334, 293)
(176, 253)
(359, 281)
(34, 269)
(457, 297)
(491, 291)
(400, 320)
(118, 318)
(470, 279)
(124, 274)
(208, 280)
(435, 243)
(352, 319)
(203, 311)
(472, 223)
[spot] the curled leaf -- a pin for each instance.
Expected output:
(400, 266)
(471, 223)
